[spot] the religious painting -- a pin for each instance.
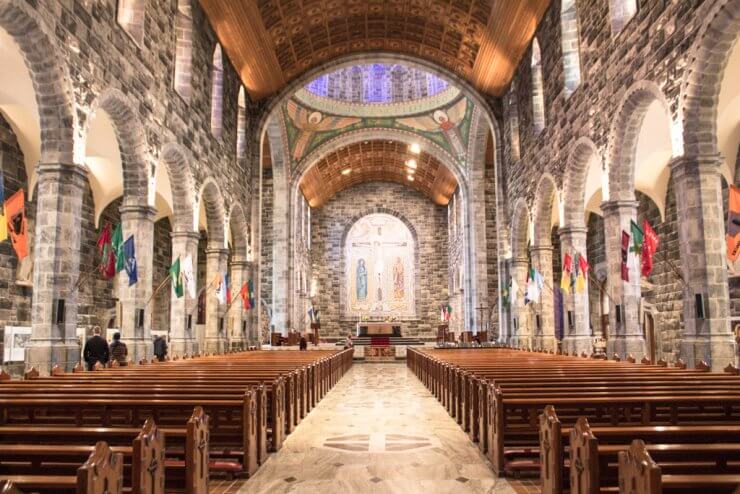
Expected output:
(444, 121)
(16, 339)
(309, 122)
(380, 273)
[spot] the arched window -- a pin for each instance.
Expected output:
(512, 110)
(184, 49)
(538, 93)
(241, 125)
(217, 90)
(130, 16)
(570, 42)
(621, 12)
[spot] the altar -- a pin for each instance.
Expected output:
(378, 329)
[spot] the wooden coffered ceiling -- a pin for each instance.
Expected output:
(376, 161)
(271, 42)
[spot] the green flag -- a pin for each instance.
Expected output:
(637, 238)
(117, 244)
(176, 276)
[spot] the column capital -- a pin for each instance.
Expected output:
(216, 252)
(240, 263)
(62, 168)
(613, 206)
(572, 230)
(703, 163)
(540, 248)
(143, 211)
(185, 234)
(518, 261)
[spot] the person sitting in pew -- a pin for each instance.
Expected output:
(118, 350)
(160, 348)
(96, 349)
(303, 343)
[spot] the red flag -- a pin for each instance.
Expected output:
(244, 293)
(649, 247)
(15, 214)
(583, 265)
(567, 263)
(108, 256)
(733, 224)
(625, 250)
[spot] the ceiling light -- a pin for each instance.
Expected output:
(411, 163)
(410, 171)
(346, 171)
(410, 178)
(415, 148)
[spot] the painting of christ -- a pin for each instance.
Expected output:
(361, 280)
(398, 288)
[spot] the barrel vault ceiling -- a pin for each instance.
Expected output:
(271, 42)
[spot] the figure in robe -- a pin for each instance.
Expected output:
(310, 122)
(361, 280)
(445, 121)
(398, 287)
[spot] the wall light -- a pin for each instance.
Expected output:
(415, 148)
(411, 163)
(346, 171)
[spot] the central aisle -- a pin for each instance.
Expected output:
(379, 430)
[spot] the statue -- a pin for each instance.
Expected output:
(361, 280)
(398, 287)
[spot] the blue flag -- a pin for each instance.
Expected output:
(129, 254)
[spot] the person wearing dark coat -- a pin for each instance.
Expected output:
(160, 348)
(96, 349)
(118, 350)
(303, 344)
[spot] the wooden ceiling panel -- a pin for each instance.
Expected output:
(374, 161)
(272, 42)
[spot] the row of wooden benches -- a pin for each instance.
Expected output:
(252, 400)
(497, 396)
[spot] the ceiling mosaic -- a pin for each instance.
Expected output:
(448, 126)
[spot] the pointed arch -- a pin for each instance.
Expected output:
(519, 229)
(241, 125)
(217, 92)
(130, 15)
(239, 228)
(210, 198)
(184, 49)
(512, 114)
(570, 42)
(176, 161)
(538, 92)
(546, 195)
(580, 156)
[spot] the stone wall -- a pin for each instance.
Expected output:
(329, 224)
(266, 238)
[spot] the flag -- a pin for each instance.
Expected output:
(188, 277)
(227, 282)
(129, 254)
(637, 238)
(733, 224)
(253, 302)
(3, 220)
(649, 248)
(625, 250)
(310, 314)
(533, 287)
(441, 313)
(567, 267)
(448, 312)
(177, 278)
(583, 268)
(108, 257)
(583, 265)
(117, 244)
(15, 220)
(220, 289)
(244, 294)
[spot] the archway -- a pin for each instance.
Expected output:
(546, 210)
(522, 334)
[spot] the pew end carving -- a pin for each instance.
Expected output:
(638, 473)
(197, 457)
(148, 464)
(551, 452)
(102, 472)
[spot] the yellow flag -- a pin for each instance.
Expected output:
(565, 283)
(580, 283)
(3, 225)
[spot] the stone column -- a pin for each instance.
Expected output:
(215, 324)
(56, 260)
(545, 335)
(252, 336)
(182, 310)
(522, 330)
(701, 238)
(626, 336)
(239, 269)
(138, 220)
(577, 336)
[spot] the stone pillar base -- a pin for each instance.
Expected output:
(215, 345)
(548, 343)
(577, 344)
(139, 348)
(717, 352)
(623, 347)
(522, 342)
(181, 346)
(44, 354)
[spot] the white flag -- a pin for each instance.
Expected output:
(187, 274)
(221, 290)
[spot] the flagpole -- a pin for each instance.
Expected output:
(154, 294)
(676, 271)
(197, 296)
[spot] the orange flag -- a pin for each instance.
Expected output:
(733, 224)
(15, 214)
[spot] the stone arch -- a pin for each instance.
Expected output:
(546, 195)
(702, 81)
(51, 81)
(624, 135)
(212, 200)
(131, 142)
(176, 161)
(574, 183)
(519, 229)
(379, 210)
(239, 228)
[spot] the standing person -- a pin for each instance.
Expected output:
(303, 344)
(160, 348)
(348, 342)
(118, 350)
(96, 349)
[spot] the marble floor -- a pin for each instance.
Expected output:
(378, 431)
